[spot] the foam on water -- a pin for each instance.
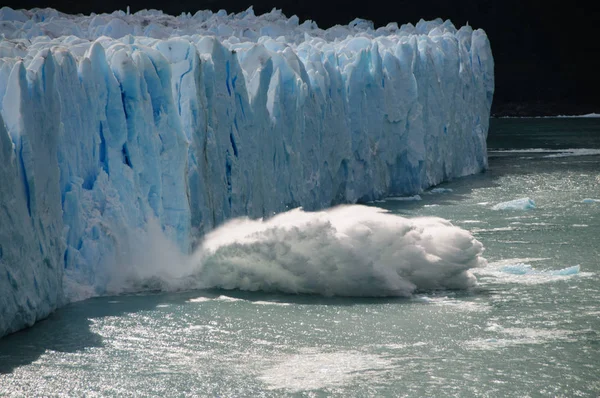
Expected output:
(200, 299)
(453, 303)
(499, 229)
(509, 261)
(552, 153)
(260, 302)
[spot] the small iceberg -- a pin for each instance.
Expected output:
(526, 269)
(517, 204)
(441, 190)
(590, 200)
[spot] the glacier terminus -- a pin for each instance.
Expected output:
(116, 127)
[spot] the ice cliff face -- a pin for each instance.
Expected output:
(110, 123)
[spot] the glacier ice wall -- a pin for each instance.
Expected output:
(31, 224)
(112, 122)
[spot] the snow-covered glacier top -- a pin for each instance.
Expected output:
(116, 129)
(230, 28)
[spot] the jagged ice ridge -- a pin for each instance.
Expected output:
(111, 123)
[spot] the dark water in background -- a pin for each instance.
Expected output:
(531, 328)
(549, 133)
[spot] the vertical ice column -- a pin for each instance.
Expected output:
(123, 163)
(31, 248)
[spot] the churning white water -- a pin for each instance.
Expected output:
(345, 251)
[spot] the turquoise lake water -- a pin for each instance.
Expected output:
(530, 328)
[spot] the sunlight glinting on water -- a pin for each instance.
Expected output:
(529, 327)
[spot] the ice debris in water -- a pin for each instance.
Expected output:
(527, 269)
(405, 198)
(517, 204)
(441, 190)
(590, 200)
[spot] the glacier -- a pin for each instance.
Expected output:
(114, 125)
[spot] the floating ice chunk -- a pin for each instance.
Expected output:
(566, 271)
(405, 198)
(441, 190)
(590, 200)
(517, 204)
(527, 269)
(520, 271)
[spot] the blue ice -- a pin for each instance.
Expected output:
(516, 204)
(526, 269)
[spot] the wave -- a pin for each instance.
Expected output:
(345, 251)
(552, 153)
(588, 115)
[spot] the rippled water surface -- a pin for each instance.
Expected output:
(530, 328)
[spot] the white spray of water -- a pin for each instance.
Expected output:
(345, 251)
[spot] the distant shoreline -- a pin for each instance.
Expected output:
(586, 116)
(551, 108)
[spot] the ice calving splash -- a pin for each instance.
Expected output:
(345, 251)
(110, 123)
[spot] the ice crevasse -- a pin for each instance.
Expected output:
(111, 123)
